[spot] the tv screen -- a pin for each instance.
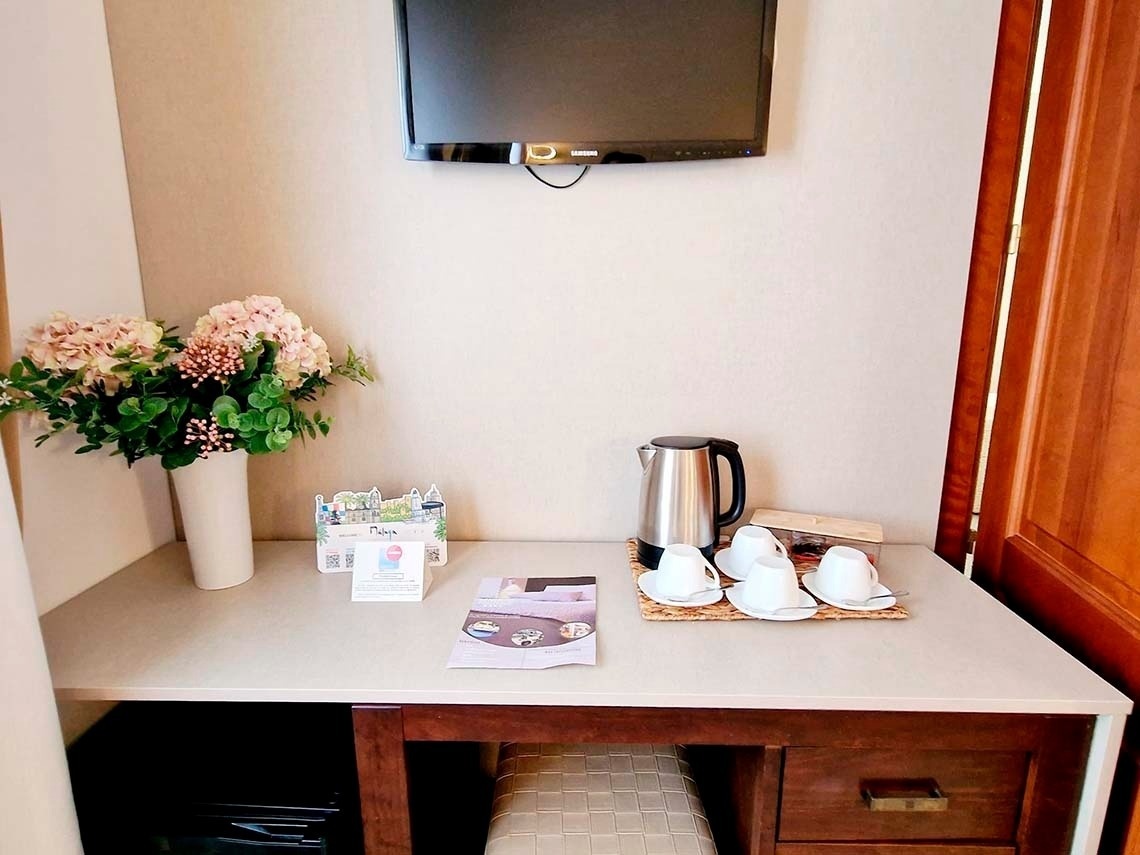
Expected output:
(591, 81)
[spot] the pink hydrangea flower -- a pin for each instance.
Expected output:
(93, 348)
(241, 322)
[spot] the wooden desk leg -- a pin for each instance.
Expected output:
(755, 788)
(383, 774)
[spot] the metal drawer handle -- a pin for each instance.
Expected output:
(910, 796)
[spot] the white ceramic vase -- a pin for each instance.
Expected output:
(213, 497)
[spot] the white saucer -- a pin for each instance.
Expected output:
(806, 607)
(809, 580)
(647, 583)
(724, 564)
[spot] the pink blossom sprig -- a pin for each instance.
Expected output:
(209, 357)
(209, 436)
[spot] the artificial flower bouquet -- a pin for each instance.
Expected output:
(241, 380)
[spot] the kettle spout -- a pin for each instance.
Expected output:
(645, 453)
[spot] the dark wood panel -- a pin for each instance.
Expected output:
(1064, 608)
(822, 794)
(1057, 534)
(891, 849)
(754, 782)
(1087, 573)
(750, 780)
(1050, 158)
(1000, 163)
(383, 777)
(1084, 469)
(971, 731)
(1053, 788)
(740, 789)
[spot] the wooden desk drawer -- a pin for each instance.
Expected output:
(823, 794)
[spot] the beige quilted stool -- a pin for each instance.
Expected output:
(554, 799)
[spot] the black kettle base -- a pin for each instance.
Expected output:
(649, 555)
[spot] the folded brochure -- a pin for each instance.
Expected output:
(529, 623)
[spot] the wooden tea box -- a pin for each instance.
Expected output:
(809, 535)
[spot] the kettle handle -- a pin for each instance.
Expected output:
(730, 451)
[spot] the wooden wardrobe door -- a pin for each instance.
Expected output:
(1059, 531)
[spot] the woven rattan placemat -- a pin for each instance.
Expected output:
(724, 610)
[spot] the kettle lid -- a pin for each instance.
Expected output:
(683, 443)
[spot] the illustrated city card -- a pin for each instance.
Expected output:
(351, 518)
(529, 623)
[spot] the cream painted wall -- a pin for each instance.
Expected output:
(807, 305)
(37, 814)
(69, 245)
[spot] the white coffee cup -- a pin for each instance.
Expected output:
(683, 571)
(749, 543)
(771, 584)
(846, 573)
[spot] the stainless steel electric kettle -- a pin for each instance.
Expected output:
(680, 494)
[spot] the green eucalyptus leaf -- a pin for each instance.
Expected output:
(129, 407)
(324, 426)
(229, 419)
(167, 428)
(278, 417)
(270, 386)
(249, 362)
(17, 372)
(258, 444)
(181, 456)
(225, 404)
(153, 407)
(278, 440)
(259, 401)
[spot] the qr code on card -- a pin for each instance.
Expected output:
(432, 554)
(332, 561)
(348, 562)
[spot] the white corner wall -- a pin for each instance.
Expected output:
(807, 304)
(69, 244)
(37, 814)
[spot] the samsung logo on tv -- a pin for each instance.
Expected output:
(583, 152)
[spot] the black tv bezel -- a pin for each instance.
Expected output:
(586, 152)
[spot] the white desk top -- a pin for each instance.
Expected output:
(291, 634)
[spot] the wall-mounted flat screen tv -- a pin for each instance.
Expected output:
(585, 81)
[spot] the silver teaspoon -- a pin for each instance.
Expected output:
(789, 609)
(895, 594)
(694, 596)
